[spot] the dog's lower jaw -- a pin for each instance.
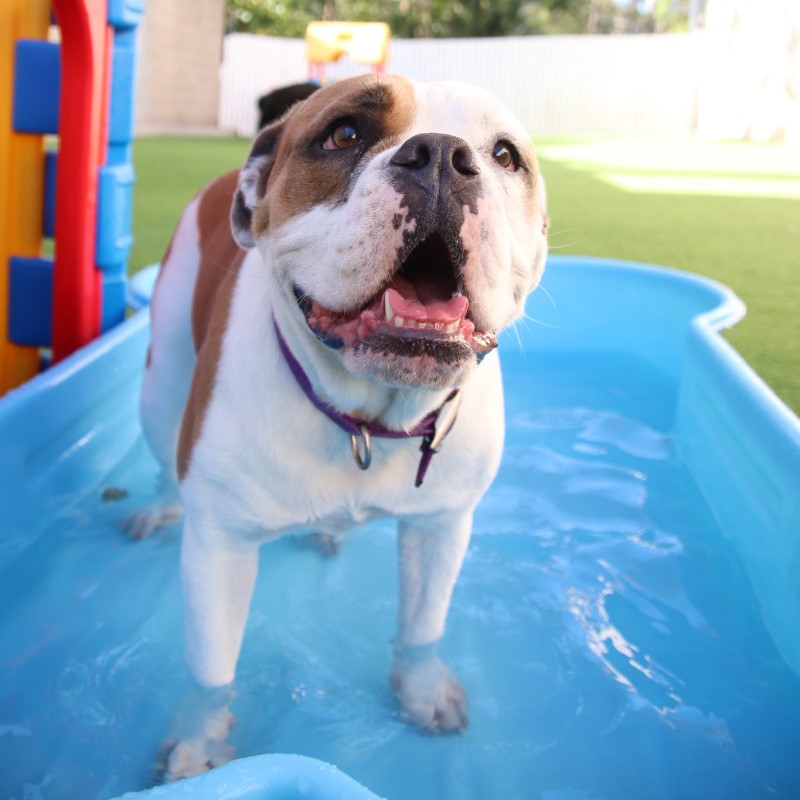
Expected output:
(428, 367)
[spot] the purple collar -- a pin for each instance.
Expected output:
(433, 428)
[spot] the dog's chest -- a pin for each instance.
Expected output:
(332, 495)
(344, 519)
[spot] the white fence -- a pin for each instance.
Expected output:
(557, 85)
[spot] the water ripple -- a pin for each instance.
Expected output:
(599, 427)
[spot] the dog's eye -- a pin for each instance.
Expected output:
(504, 156)
(341, 137)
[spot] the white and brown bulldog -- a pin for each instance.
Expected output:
(323, 319)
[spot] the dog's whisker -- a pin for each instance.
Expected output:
(514, 328)
(542, 288)
(541, 323)
(551, 234)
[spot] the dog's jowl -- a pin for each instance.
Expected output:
(323, 352)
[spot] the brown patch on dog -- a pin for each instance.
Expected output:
(304, 175)
(300, 176)
(220, 261)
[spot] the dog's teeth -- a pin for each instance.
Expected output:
(387, 307)
(392, 318)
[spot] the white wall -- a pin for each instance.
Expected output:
(750, 76)
(177, 86)
(584, 85)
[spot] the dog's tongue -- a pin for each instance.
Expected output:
(422, 302)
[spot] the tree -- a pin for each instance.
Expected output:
(457, 18)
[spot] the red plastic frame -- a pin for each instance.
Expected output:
(86, 48)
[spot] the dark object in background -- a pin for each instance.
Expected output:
(273, 105)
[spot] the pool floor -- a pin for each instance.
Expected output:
(603, 627)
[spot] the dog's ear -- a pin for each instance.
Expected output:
(253, 181)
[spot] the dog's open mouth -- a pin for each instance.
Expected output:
(421, 303)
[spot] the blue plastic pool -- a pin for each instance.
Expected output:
(625, 624)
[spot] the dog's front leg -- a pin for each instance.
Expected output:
(218, 582)
(431, 551)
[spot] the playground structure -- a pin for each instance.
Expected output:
(364, 42)
(81, 90)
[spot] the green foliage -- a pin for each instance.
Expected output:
(458, 18)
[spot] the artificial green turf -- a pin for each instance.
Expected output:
(169, 172)
(730, 211)
(751, 242)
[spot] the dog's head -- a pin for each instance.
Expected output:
(405, 222)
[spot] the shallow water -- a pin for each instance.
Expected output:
(603, 627)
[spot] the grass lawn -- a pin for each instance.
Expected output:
(730, 211)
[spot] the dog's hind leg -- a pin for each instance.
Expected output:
(168, 372)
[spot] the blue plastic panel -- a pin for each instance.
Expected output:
(116, 178)
(140, 287)
(114, 299)
(31, 301)
(125, 13)
(37, 86)
(114, 213)
(49, 210)
(276, 777)
(123, 88)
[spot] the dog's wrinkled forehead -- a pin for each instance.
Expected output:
(466, 111)
(392, 108)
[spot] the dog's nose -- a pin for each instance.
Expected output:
(428, 154)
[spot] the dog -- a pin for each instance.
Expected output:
(323, 353)
(275, 104)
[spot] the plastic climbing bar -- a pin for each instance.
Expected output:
(82, 92)
(23, 26)
(83, 119)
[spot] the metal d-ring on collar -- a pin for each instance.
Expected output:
(362, 462)
(432, 428)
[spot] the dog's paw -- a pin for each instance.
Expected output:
(430, 696)
(190, 754)
(148, 521)
(189, 757)
(199, 741)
